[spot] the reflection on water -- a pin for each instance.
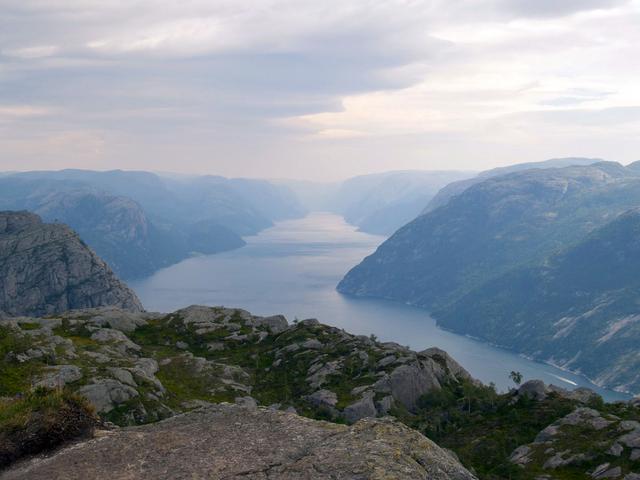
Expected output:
(293, 269)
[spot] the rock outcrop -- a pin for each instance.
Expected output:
(234, 442)
(538, 390)
(600, 445)
(141, 367)
(46, 269)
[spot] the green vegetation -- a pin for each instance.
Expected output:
(41, 420)
(527, 262)
(516, 377)
(15, 375)
(483, 427)
(220, 354)
(29, 325)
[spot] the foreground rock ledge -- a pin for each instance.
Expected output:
(230, 441)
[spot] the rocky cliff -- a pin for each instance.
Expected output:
(46, 269)
(233, 442)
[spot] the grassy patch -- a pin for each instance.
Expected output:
(183, 384)
(15, 376)
(41, 420)
(74, 330)
(29, 325)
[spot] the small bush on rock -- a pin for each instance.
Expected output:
(41, 420)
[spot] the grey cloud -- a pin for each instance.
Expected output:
(216, 77)
(583, 117)
(553, 8)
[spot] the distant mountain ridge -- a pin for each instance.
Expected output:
(467, 252)
(455, 188)
(46, 269)
(378, 203)
(382, 203)
(140, 222)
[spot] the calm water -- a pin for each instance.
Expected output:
(293, 269)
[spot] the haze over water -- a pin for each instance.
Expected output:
(293, 268)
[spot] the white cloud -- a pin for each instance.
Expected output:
(295, 82)
(38, 51)
(13, 111)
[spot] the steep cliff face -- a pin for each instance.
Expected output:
(233, 442)
(46, 269)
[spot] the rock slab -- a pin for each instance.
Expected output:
(233, 442)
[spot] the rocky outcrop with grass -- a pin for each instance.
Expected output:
(141, 367)
(46, 269)
(41, 420)
(586, 442)
(236, 442)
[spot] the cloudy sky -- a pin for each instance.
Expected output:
(316, 89)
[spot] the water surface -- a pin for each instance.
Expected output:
(293, 269)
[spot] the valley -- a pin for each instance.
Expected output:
(292, 269)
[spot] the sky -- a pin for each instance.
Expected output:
(317, 90)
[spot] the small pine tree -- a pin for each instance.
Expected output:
(516, 377)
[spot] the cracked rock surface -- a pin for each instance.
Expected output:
(233, 442)
(46, 269)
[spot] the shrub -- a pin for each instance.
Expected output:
(41, 420)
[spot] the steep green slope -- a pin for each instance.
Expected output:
(491, 228)
(488, 264)
(579, 308)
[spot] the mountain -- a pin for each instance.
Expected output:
(46, 269)
(140, 222)
(579, 308)
(455, 188)
(245, 206)
(467, 247)
(382, 203)
(313, 196)
(116, 227)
